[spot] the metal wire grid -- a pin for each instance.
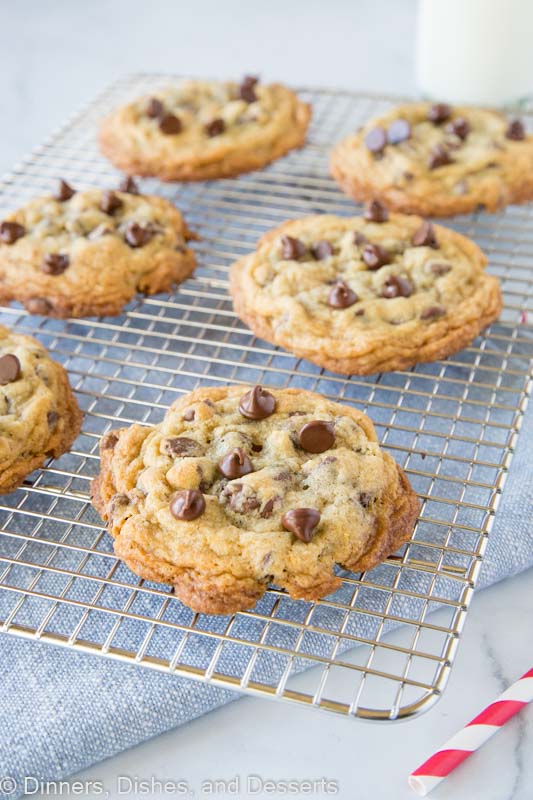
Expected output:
(451, 424)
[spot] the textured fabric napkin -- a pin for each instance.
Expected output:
(61, 711)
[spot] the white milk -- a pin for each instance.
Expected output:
(475, 51)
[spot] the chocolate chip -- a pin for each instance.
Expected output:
(341, 296)
(316, 436)
(239, 501)
(439, 156)
(425, 236)
(155, 108)
(376, 212)
(55, 263)
(108, 441)
(321, 250)
(302, 522)
(52, 418)
(170, 124)
(187, 504)
(189, 415)
(515, 131)
(398, 131)
(439, 268)
(247, 89)
(11, 231)
(235, 464)
(110, 202)
(267, 509)
(376, 139)
(183, 446)
(397, 286)
(38, 305)
(257, 404)
(292, 249)
(459, 127)
(439, 113)
(433, 312)
(375, 256)
(137, 236)
(128, 185)
(359, 239)
(215, 127)
(64, 191)
(9, 369)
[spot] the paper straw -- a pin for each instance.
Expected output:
(472, 736)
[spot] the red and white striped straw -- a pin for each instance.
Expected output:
(475, 734)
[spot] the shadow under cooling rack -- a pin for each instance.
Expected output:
(374, 648)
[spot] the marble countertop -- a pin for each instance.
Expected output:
(56, 55)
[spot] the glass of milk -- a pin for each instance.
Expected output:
(475, 51)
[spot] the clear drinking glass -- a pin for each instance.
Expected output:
(475, 51)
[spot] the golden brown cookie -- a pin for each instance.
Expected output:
(80, 254)
(241, 487)
(363, 295)
(437, 160)
(197, 130)
(39, 415)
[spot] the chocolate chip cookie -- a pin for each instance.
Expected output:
(39, 415)
(241, 487)
(197, 130)
(437, 160)
(76, 254)
(364, 295)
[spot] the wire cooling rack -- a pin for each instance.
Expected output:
(452, 425)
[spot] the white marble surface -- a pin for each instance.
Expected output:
(56, 55)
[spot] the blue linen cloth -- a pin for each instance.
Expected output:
(61, 710)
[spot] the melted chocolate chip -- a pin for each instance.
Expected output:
(341, 296)
(433, 312)
(110, 202)
(359, 239)
(117, 502)
(375, 256)
(397, 286)
(398, 131)
(322, 250)
(257, 404)
(515, 131)
(137, 236)
(64, 191)
(375, 140)
(247, 89)
(38, 305)
(365, 498)
(235, 464)
(267, 509)
(155, 108)
(55, 263)
(52, 418)
(189, 415)
(215, 127)
(239, 501)
(376, 212)
(128, 185)
(302, 522)
(108, 441)
(292, 249)
(425, 236)
(316, 436)
(440, 112)
(183, 446)
(439, 156)
(170, 124)
(459, 127)
(438, 268)
(11, 231)
(9, 369)
(187, 504)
